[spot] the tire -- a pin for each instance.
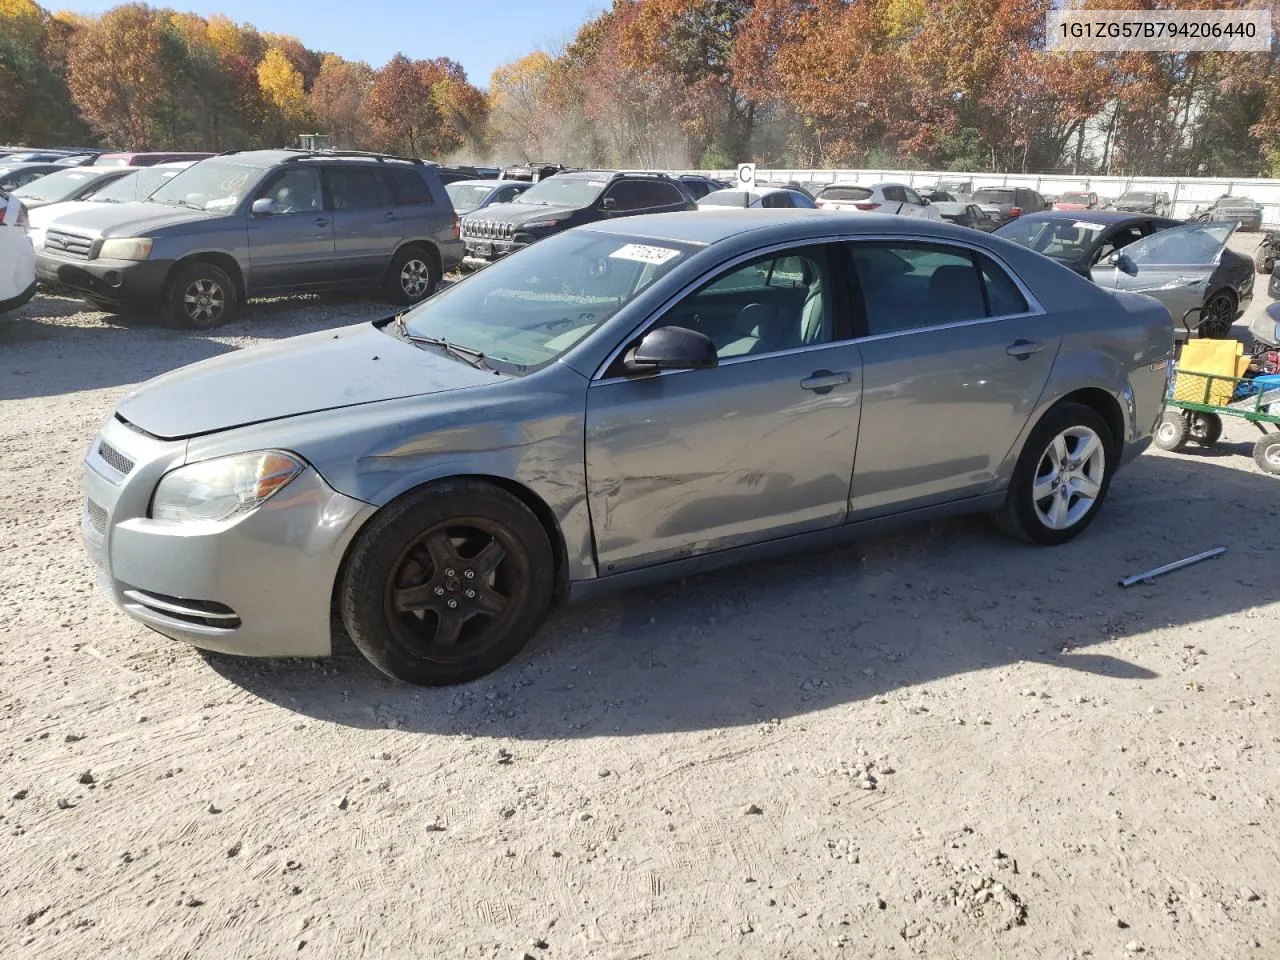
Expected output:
(199, 296)
(1266, 453)
(1205, 429)
(1171, 431)
(436, 546)
(1263, 260)
(1218, 315)
(412, 276)
(1057, 517)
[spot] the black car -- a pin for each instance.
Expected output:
(699, 186)
(567, 200)
(1242, 210)
(1082, 238)
(534, 170)
(1142, 201)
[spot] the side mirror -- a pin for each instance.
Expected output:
(925, 201)
(609, 203)
(264, 207)
(672, 348)
(1124, 263)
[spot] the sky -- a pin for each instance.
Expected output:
(479, 35)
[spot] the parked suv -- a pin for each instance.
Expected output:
(17, 263)
(256, 223)
(1005, 203)
(567, 200)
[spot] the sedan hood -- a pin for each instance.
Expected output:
(135, 219)
(319, 371)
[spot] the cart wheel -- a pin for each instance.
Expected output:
(1205, 429)
(1171, 433)
(1266, 453)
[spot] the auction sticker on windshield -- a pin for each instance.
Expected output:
(1086, 225)
(644, 254)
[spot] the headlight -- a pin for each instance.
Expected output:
(126, 248)
(537, 224)
(223, 488)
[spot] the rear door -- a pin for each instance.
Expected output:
(955, 355)
(366, 224)
(1174, 266)
(896, 199)
(293, 247)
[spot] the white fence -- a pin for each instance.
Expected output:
(1186, 193)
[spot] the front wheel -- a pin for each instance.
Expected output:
(1217, 316)
(1061, 477)
(200, 296)
(448, 583)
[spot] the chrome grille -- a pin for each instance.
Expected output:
(114, 458)
(508, 230)
(97, 515)
(69, 245)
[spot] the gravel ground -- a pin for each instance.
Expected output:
(936, 744)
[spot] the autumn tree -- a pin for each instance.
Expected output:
(282, 88)
(337, 101)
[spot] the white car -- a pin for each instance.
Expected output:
(769, 198)
(139, 184)
(17, 258)
(877, 198)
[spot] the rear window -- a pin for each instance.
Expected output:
(989, 195)
(408, 185)
(1075, 198)
(844, 193)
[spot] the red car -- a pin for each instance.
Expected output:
(1076, 201)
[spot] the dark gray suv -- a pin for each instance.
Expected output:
(256, 223)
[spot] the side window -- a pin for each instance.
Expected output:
(774, 201)
(627, 195)
(1119, 240)
(909, 286)
(912, 196)
(353, 189)
(408, 186)
(666, 195)
(295, 190)
(895, 194)
(1004, 299)
(779, 302)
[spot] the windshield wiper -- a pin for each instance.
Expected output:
(466, 354)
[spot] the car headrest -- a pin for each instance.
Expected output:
(956, 291)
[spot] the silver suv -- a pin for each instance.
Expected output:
(257, 223)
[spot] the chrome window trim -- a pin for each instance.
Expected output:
(1035, 309)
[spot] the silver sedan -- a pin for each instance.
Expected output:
(637, 399)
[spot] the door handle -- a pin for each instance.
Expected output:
(824, 381)
(1024, 348)
(321, 221)
(390, 215)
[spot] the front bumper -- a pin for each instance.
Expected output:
(114, 281)
(259, 585)
(480, 252)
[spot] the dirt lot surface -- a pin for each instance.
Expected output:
(938, 744)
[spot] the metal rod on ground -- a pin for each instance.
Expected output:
(1170, 567)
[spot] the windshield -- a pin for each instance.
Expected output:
(210, 185)
(467, 196)
(993, 196)
(1075, 198)
(135, 186)
(564, 191)
(1060, 239)
(56, 186)
(527, 309)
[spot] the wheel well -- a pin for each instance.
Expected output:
(1105, 405)
(224, 262)
(426, 247)
(536, 505)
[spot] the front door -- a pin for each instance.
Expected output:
(761, 446)
(1174, 266)
(291, 248)
(954, 361)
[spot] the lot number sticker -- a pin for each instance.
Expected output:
(644, 254)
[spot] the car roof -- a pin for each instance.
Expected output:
(488, 183)
(711, 225)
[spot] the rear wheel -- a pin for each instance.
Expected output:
(1266, 453)
(1217, 316)
(447, 584)
(200, 296)
(1061, 477)
(1171, 432)
(412, 277)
